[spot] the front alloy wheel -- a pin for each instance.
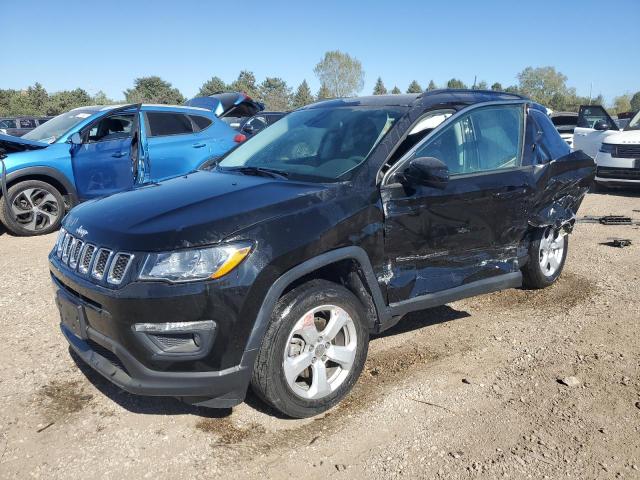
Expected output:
(34, 208)
(313, 350)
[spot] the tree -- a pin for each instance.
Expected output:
(341, 73)
(635, 102)
(303, 95)
(512, 89)
(481, 86)
(246, 83)
(323, 93)
(379, 88)
(432, 86)
(542, 83)
(66, 100)
(455, 83)
(622, 103)
(100, 98)
(153, 90)
(496, 87)
(275, 94)
(211, 86)
(396, 90)
(414, 87)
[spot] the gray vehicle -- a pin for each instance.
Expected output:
(18, 126)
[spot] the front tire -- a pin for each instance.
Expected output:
(313, 351)
(547, 256)
(36, 208)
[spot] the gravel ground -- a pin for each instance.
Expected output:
(517, 384)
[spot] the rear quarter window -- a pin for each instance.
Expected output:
(200, 123)
(166, 123)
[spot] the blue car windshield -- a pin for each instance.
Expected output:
(317, 143)
(50, 131)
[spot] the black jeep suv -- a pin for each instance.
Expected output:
(273, 266)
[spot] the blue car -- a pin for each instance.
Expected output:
(92, 152)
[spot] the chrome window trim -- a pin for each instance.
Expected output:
(407, 156)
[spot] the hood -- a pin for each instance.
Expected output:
(11, 144)
(620, 138)
(233, 104)
(201, 208)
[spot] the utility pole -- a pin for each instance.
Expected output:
(590, 91)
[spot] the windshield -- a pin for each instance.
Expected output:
(319, 143)
(634, 124)
(53, 129)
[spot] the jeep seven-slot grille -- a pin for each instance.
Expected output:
(88, 259)
(100, 265)
(119, 267)
(87, 256)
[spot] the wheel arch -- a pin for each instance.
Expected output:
(361, 281)
(47, 175)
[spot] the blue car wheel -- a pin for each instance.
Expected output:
(33, 208)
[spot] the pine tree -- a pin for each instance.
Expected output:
(396, 90)
(379, 89)
(432, 86)
(414, 87)
(303, 95)
(323, 93)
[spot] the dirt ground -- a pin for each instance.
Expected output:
(468, 390)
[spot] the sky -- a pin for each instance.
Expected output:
(69, 44)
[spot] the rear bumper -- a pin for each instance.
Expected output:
(225, 388)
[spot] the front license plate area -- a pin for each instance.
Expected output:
(72, 315)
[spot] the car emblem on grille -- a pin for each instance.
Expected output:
(81, 231)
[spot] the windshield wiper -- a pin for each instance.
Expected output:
(270, 172)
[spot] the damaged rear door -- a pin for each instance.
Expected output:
(442, 238)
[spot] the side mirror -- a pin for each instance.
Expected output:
(75, 139)
(427, 171)
(601, 125)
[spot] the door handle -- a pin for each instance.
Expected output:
(199, 145)
(119, 155)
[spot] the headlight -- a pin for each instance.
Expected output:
(194, 264)
(608, 148)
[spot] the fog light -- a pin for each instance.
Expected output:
(175, 327)
(184, 339)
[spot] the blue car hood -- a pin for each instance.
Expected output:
(11, 144)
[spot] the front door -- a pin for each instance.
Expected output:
(107, 160)
(585, 136)
(436, 239)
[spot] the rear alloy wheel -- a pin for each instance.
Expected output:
(547, 255)
(313, 351)
(36, 208)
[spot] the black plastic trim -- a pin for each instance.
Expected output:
(46, 172)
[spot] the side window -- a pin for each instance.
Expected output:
(484, 139)
(200, 123)
(8, 123)
(591, 114)
(27, 123)
(115, 127)
(164, 123)
(543, 142)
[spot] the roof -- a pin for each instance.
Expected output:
(426, 99)
(104, 108)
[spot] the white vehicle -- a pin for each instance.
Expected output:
(565, 123)
(594, 124)
(618, 157)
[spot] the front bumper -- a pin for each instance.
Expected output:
(617, 171)
(102, 335)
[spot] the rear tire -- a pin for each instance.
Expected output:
(38, 205)
(313, 351)
(547, 255)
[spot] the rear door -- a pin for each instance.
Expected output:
(107, 161)
(176, 143)
(437, 239)
(585, 136)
